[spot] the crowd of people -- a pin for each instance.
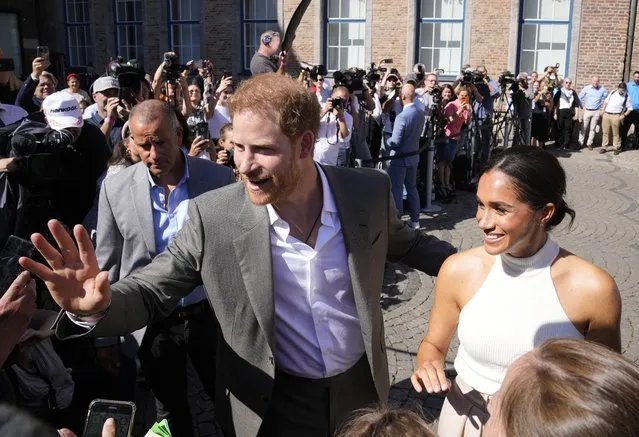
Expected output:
(183, 217)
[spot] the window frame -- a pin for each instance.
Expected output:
(328, 21)
(246, 63)
(446, 75)
(82, 24)
(173, 22)
(138, 23)
(565, 68)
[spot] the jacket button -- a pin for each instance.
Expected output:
(271, 360)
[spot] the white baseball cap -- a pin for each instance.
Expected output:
(105, 83)
(62, 111)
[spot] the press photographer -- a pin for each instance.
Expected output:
(336, 124)
(522, 97)
(483, 111)
(51, 168)
(105, 94)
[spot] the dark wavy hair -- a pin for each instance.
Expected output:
(537, 177)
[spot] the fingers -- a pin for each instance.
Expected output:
(85, 247)
(40, 270)
(66, 433)
(16, 288)
(68, 248)
(108, 430)
(48, 252)
(432, 377)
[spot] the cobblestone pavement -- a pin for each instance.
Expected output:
(603, 191)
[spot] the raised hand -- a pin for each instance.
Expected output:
(73, 276)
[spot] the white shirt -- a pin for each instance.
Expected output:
(397, 108)
(324, 93)
(566, 99)
(317, 329)
(615, 103)
(89, 111)
(9, 114)
(329, 141)
(219, 118)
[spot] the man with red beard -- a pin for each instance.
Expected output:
(292, 261)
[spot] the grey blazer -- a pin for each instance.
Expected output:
(125, 232)
(226, 246)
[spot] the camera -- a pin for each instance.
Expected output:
(506, 78)
(352, 80)
(129, 79)
(472, 77)
(314, 71)
(171, 68)
(338, 103)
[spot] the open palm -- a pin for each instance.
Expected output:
(73, 276)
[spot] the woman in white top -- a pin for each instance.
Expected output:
(74, 88)
(517, 290)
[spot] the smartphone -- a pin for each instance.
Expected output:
(42, 52)
(14, 248)
(101, 409)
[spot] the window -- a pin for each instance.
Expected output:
(10, 41)
(345, 34)
(128, 24)
(184, 28)
(79, 46)
(258, 16)
(544, 34)
(440, 35)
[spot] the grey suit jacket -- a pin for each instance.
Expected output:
(407, 130)
(125, 231)
(226, 246)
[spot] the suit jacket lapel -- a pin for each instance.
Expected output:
(140, 192)
(355, 220)
(197, 183)
(253, 252)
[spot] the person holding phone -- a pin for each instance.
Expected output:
(38, 86)
(456, 114)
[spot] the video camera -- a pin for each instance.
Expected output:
(506, 78)
(374, 73)
(472, 77)
(129, 79)
(172, 68)
(314, 71)
(351, 79)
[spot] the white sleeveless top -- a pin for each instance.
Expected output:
(515, 310)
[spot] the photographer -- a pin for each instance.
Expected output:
(483, 110)
(57, 165)
(542, 107)
(522, 97)
(107, 119)
(334, 137)
(38, 86)
(388, 92)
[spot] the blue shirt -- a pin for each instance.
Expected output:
(592, 98)
(169, 219)
(489, 93)
(633, 92)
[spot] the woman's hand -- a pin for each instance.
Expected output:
(198, 146)
(430, 376)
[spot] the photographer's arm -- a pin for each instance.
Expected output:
(187, 107)
(478, 97)
(158, 80)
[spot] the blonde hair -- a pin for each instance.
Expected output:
(572, 388)
(280, 98)
(385, 422)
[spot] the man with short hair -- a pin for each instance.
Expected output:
(632, 118)
(565, 104)
(265, 60)
(592, 99)
(407, 131)
(293, 264)
(38, 86)
(105, 95)
(141, 210)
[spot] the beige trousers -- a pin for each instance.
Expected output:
(611, 121)
(464, 413)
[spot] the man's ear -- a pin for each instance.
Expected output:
(306, 144)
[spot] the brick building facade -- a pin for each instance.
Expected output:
(585, 36)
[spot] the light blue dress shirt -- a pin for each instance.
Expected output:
(167, 221)
(633, 92)
(593, 97)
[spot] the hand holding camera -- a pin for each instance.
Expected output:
(199, 145)
(226, 82)
(222, 157)
(111, 107)
(38, 66)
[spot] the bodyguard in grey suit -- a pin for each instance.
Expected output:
(407, 130)
(140, 210)
(293, 264)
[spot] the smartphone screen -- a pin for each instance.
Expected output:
(43, 52)
(101, 410)
(13, 249)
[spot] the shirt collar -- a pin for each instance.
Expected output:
(184, 178)
(409, 104)
(328, 206)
